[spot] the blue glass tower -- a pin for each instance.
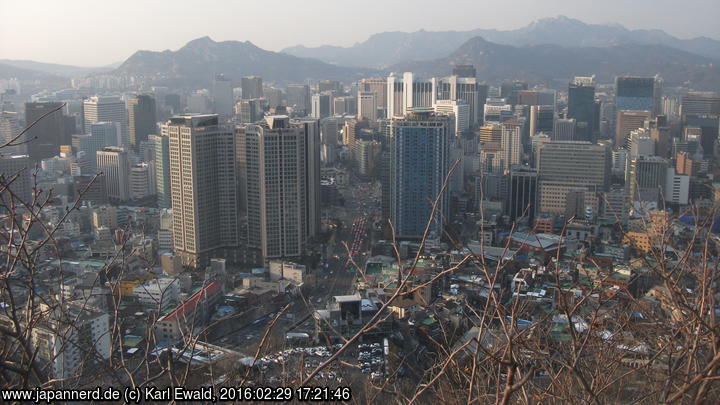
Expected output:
(418, 164)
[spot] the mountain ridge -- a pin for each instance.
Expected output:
(387, 48)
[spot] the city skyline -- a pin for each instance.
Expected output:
(82, 17)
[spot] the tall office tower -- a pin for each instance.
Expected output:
(252, 87)
(280, 171)
(536, 97)
(142, 181)
(222, 96)
(640, 143)
(509, 90)
(702, 110)
(463, 90)
(564, 130)
(162, 170)
(410, 93)
(458, 110)
(395, 97)
(626, 122)
(377, 85)
(418, 92)
(141, 118)
(329, 131)
(496, 110)
(203, 188)
(367, 106)
(249, 110)
(419, 165)
(349, 133)
(273, 97)
(199, 103)
(700, 103)
(645, 176)
(464, 71)
(9, 129)
(677, 187)
(565, 166)
(113, 162)
(298, 97)
(10, 167)
(339, 106)
(109, 132)
(329, 85)
(107, 109)
(491, 132)
(321, 105)
(366, 154)
(536, 142)
(582, 108)
(542, 119)
(523, 196)
(45, 137)
(87, 147)
(511, 144)
(638, 93)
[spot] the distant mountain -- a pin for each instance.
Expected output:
(31, 76)
(54, 69)
(199, 60)
(552, 64)
(387, 48)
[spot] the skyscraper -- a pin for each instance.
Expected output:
(222, 96)
(410, 93)
(162, 170)
(637, 93)
(645, 177)
(461, 89)
(298, 98)
(367, 106)
(542, 119)
(377, 86)
(252, 87)
(581, 107)
(626, 122)
(21, 186)
(203, 188)
(281, 181)
(523, 198)
(142, 118)
(419, 164)
(511, 144)
(464, 71)
(112, 161)
(112, 109)
(9, 129)
(321, 105)
(45, 137)
(565, 166)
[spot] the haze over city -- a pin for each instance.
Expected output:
(158, 25)
(377, 202)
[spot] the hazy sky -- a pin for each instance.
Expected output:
(99, 32)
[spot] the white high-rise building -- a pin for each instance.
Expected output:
(113, 163)
(511, 145)
(222, 95)
(203, 188)
(107, 109)
(142, 181)
(280, 166)
(458, 110)
(409, 93)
